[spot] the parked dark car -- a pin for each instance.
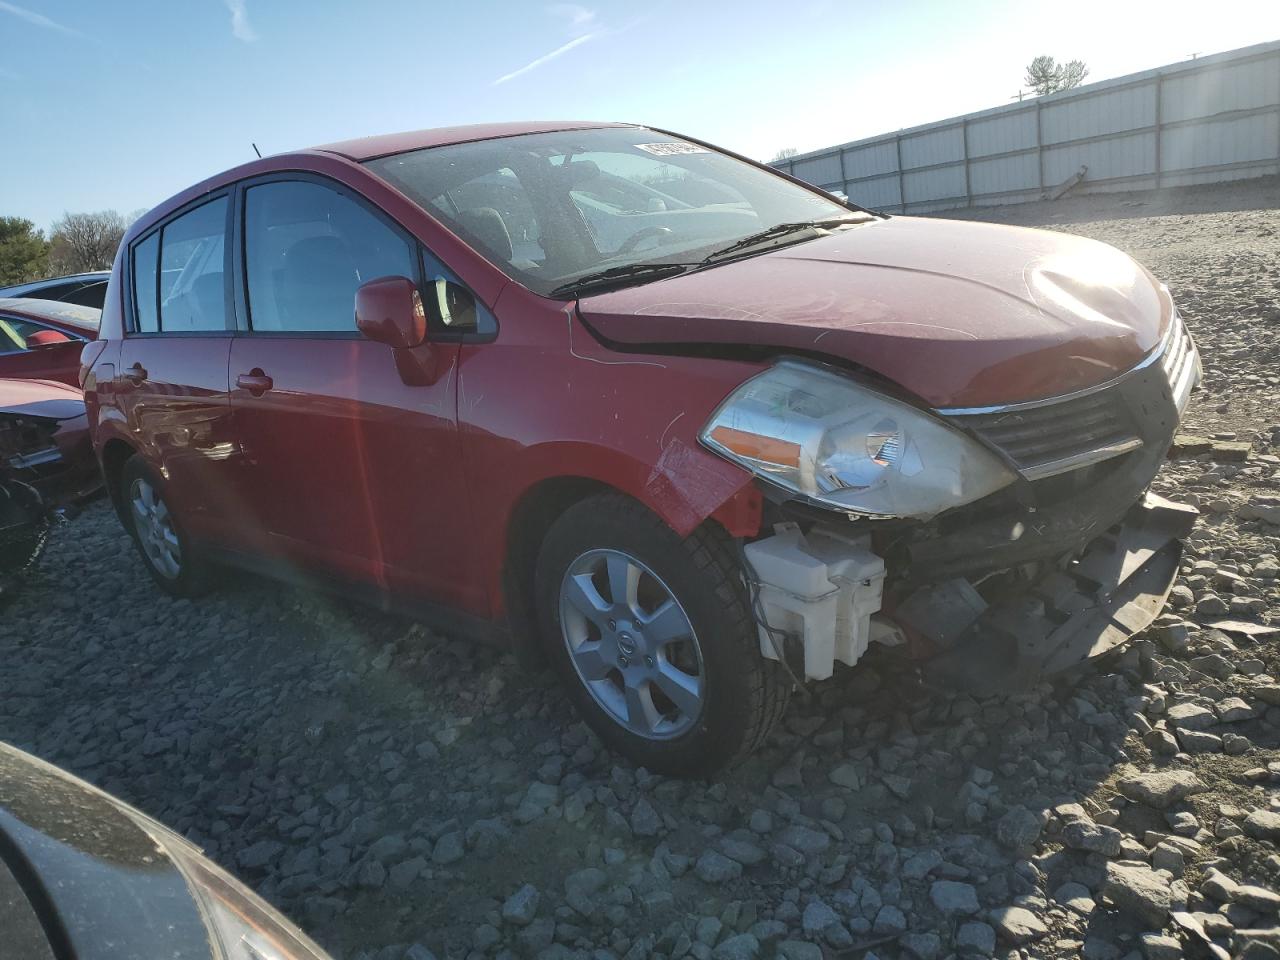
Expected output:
(85, 289)
(695, 430)
(84, 875)
(42, 339)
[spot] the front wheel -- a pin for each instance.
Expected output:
(652, 636)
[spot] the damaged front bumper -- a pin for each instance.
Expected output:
(1088, 607)
(1065, 565)
(825, 592)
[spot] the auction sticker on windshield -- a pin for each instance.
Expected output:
(670, 149)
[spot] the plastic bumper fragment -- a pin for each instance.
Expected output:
(1109, 593)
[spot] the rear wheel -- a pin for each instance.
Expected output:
(165, 549)
(652, 636)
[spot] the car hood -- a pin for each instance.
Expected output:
(40, 398)
(960, 314)
(86, 857)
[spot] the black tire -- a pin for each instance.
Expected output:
(744, 694)
(192, 578)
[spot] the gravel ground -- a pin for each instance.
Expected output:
(404, 795)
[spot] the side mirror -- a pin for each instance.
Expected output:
(389, 310)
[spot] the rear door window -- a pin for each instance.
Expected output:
(307, 249)
(192, 270)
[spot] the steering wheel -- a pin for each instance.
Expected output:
(634, 240)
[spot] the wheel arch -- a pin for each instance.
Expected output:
(544, 501)
(531, 517)
(115, 454)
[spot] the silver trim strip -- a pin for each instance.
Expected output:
(1175, 324)
(1041, 470)
(47, 455)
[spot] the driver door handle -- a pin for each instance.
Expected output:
(255, 381)
(136, 373)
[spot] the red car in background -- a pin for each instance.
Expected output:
(695, 430)
(46, 464)
(44, 440)
(42, 339)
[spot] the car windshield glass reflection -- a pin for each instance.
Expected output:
(551, 208)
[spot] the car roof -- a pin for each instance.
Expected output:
(93, 276)
(67, 314)
(368, 148)
(354, 151)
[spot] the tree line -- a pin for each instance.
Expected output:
(76, 243)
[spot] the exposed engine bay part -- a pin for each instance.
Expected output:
(44, 440)
(942, 612)
(40, 423)
(24, 527)
(1085, 608)
(823, 589)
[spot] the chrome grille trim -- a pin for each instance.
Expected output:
(1182, 368)
(1085, 458)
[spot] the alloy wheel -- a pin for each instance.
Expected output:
(632, 644)
(153, 524)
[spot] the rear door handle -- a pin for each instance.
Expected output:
(255, 381)
(135, 374)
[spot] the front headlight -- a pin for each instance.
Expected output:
(241, 925)
(821, 435)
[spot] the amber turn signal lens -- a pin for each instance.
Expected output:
(757, 447)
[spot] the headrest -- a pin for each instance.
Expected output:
(488, 227)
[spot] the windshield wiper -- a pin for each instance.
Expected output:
(777, 231)
(619, 276)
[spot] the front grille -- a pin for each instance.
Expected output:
(1055, 437)
(1180, 363)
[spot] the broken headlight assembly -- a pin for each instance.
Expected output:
(844, 446)
(241, 925)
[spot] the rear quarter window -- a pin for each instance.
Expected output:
(146, 261)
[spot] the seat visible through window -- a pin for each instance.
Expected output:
(318, 285)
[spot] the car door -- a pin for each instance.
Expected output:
(351, 448)
(30, 350)
(171, 379)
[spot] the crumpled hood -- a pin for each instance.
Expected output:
(40, 398)
(961, 314)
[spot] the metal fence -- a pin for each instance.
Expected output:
(1200, 121)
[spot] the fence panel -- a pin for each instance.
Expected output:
(1200, 121)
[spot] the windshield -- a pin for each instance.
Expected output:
(549, 208)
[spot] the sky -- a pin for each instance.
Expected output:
(121, 105)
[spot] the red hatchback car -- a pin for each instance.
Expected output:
(42, 339)
(696, 430)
